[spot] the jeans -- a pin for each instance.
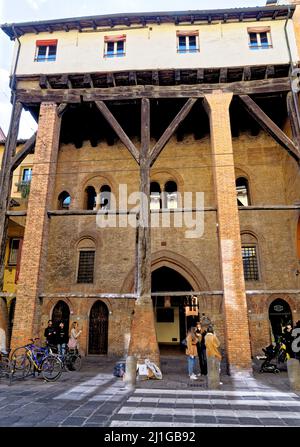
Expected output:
(191, 364)
(61, 349)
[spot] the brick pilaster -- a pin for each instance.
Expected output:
(234, 300)
(34, 251)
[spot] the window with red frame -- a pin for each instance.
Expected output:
(45, 50)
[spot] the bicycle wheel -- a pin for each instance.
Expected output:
(20, 362)
(51, 368)
(76, 362)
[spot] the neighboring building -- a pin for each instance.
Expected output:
(81, 77)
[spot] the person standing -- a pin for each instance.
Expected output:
(74, 334)
(201, 348)
(214, 357)
(61, 338)
(191, 352)
(50, 334)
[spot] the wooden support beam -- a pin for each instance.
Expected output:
(171, 129)
(102, 107)
(292, 101)
(87, 81)
(27, 149)
(6, 181)
(155, 77)
(132, 78)
(223, 75)
(269, 126)
(247, 74)
(177, 77)
(200, 75)
(111, 79)
(44, 83)
(65, 80)
(61, 109)
(270, 71)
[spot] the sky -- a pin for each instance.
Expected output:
(14, 11)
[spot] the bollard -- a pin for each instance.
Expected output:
(130, 372)
(213, 373)
(293, 367)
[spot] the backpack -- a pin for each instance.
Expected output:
(119, 369)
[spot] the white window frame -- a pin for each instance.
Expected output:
(187, 44)
(115, 53)
(259, 45)
(46, 59)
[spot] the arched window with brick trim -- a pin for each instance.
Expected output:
(242, 191)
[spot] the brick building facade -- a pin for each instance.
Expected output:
(229, 131)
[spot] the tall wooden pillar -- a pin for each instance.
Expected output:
(34, 252)
(234, 299)
(6, 176)
(143, 341)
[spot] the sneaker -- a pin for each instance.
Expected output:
(221, 383)
(198, 375)
(193, 377)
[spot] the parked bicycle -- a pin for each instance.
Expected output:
(30, 359)
(71, 360)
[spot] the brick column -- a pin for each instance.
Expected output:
(234, 298)
(34, 252)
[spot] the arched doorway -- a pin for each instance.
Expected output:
(171, 321)
(61, 312)
(280, 315)
(98, 329)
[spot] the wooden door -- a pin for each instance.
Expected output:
(98, 329)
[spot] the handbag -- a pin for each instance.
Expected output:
(184, 342)
(72, 343)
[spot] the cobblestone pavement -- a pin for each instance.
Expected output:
(93, 397)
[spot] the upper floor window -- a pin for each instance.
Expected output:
(114, 46)
(86, 260)
(90, 198)
(155, 196)
(260, 38)
(64, 200)
(45, 50)
(187, 41)
(171, 194)
(242, 191)
(105, 197)
(250, 263)
(27, 175)
(13, 251)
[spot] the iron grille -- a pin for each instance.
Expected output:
(86, 266)
(250, 263)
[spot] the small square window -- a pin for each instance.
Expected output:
(259, 39)
(13, 251)
(27, 175)
(114, 46)
(187, 41)
(45, 50)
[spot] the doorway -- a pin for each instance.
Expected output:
(171, 321)
(280, 315)
(98, 329)
(61, 312)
